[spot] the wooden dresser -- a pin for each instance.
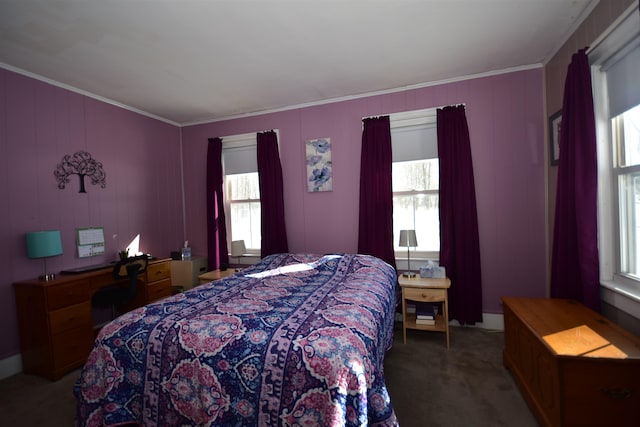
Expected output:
(55, 317)
(573, 366)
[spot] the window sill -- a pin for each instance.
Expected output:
(621, 296)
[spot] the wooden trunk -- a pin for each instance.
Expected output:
(573, 366)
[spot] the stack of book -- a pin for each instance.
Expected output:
(425, 314)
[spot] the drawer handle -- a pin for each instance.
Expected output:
(617, 392)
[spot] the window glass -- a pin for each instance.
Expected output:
(626, 141)
(626, 137)
(415, 203)
(242, 193)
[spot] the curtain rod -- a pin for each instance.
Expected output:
(414, 111)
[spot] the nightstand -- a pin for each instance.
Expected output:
(214, 275)
(419, 289)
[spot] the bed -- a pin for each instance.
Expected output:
(296, 340)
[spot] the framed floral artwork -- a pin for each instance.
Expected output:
(319, 170)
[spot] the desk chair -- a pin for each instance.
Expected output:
(117, 296)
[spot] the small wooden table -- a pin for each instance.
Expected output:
(214, 275)
(421, 289)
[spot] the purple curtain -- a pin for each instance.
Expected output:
(217, 252)
(459, 241)
(274, 233)
(575, 270)
(375, 230)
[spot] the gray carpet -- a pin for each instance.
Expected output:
(465, 386)
(429, 386)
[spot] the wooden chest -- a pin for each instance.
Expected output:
(573, 366)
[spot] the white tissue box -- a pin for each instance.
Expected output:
(439, 273)
(432, 270)
(426, 271)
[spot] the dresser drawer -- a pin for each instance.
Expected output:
(74, 316)
(69, 293)
(103, 280)
(158, 271)
(158, 290)
(417, 294)
(71, 348)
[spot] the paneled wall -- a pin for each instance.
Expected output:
(39, 124)
(506, 123)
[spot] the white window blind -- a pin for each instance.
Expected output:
(414, 143)
(414, 135)
(623, 81)
(617, 56)
(239, 154)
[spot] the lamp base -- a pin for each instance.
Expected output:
(47, 277)
(409, 274)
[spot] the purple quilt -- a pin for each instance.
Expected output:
(296, 340)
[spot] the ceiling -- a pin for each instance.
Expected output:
(188, 61)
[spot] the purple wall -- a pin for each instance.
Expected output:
(39, 124)
(505, 116)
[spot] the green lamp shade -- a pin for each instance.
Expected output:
(42, 244)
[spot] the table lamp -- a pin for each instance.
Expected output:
(237, 250)
(43, 244)
(408, 239)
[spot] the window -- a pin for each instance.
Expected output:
(626, 142)
(415, 180)
(615, 61)
(241, 191)
(243, 197)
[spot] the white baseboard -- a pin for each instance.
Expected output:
(494, 322)
(10, 366)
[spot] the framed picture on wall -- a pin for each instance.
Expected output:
(319, 165)
(555, 124)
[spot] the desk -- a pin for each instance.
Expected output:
(55, 318)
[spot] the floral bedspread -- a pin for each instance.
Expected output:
(295, 340)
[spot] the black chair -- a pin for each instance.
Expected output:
(118, 296)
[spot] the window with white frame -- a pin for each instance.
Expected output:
(415, 180)
(241, 190)
(626, 170)
(615, 63)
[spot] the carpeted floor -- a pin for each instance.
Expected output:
(429, 386)
(465, 386)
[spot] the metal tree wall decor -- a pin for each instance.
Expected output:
(81, 164)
